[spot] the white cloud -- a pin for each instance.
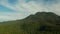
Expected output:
(30, 7)
(6, 16)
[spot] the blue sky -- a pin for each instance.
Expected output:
(19, 9)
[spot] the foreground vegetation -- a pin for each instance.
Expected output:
(40, 23)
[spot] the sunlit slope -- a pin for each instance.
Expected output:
(10, 28)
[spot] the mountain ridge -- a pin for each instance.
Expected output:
(42, 21)
(39, 23)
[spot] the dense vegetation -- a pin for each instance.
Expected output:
(40, 23)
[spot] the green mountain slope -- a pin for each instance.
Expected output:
(40, 23)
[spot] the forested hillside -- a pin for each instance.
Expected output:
(39, 23)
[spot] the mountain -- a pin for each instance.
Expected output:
(42, 21)
(39, 23)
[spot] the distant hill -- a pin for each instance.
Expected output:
(39, 23)
(42, 21)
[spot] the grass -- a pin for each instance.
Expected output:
(10, 28)
(14, 28)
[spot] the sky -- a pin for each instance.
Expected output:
(19, 9)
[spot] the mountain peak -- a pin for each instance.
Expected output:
(42, 21)
(46, 13)
(44, 16)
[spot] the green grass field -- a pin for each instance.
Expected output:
(10, 28)
(14, 28)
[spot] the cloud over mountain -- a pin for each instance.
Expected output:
(27, 7)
